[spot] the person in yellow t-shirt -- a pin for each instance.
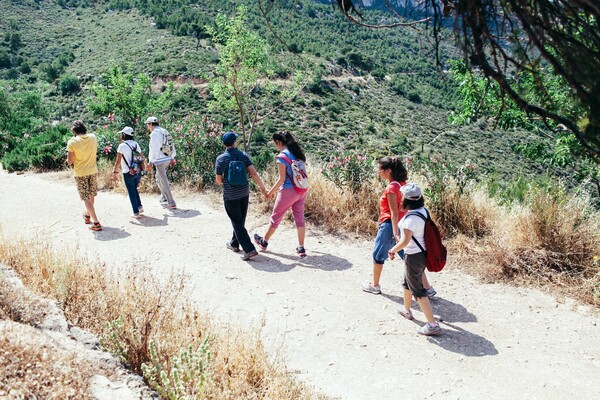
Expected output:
(81, 153)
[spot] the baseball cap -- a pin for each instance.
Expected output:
(411, 191)
(229, 138)
(127, 130)
(152, 120)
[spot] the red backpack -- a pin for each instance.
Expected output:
(436, 251)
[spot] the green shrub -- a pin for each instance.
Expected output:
(69, 84)
(44, 151)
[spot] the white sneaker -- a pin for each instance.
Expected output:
(431, 292)
(369, 288)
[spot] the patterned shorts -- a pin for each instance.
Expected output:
(86, 186)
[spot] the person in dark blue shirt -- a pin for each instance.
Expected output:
(236, 197)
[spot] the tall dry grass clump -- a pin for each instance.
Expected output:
(153, 328)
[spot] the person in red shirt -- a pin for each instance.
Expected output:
(392, 170)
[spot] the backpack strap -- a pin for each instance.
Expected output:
(288, 160)
(418, 214)
(124, 159)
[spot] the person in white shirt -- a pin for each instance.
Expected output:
(161, 161)
(412, 228)
(125, 153)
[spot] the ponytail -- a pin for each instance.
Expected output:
(289, 141)
(399, 172)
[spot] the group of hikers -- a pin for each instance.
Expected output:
(402, 215)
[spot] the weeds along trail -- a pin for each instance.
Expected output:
(312, 312)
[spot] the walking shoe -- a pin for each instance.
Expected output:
(369, 288)
(163, 201)
(136, 216)
(429, 330)
(141, 210)
(260, 241)
(431, 292)
(300, 251)
(406, 314)
(235, 249)
(249, 255)
(170, 207)
(96, 226)
(86, 218)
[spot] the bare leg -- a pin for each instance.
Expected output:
(426, 308)
(89, 206)
(377, 268)
(270, 232)
(426, 284)
(301, 233)
(407, 299)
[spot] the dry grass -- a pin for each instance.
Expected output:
(550, 241)
(334, 210)
(133, 310)
(15, 306)
(29, 370)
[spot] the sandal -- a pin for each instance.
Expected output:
(87, 219)
(96, 226)
(406, 314)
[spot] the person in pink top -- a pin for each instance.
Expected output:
(288, 196)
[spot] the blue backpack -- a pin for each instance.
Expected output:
(236, 173)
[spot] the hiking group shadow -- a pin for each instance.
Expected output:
(454, 338)
(315, 259)
(183, 213)
(109, 233)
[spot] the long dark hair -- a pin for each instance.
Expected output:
(399, 172)
(289, 141)
(413, 204)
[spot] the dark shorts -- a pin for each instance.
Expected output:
(86, 186)
(413, 277)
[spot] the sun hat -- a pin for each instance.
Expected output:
(152, 120)
(411, 191)
(229, 138)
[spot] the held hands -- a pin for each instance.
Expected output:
(391, 254)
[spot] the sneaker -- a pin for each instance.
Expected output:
(249, 255)
(260, 241)
(301, 251)
(431, 292)
(96, 226)
(141, 210)
(235, 249)
(429, 330)
(163, 201)
(87, 219)
(369, 288)
(136, 216)
(170, 207)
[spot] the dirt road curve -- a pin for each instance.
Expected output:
(498, 342)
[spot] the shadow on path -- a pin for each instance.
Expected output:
(315, 259)
(453, 338)
(447, 310)
(150, 221)
(108, 233)
(461, 341)
(182, 213)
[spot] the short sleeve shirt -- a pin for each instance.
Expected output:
(125, 149)
(221, 168)
(85, 149)
(417, 226)
(288, 169)
(384, 207)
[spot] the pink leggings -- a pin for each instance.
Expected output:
(287, 198)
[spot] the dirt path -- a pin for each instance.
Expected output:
(498, 342)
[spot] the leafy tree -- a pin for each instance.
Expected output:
(241, 82)
(69, 84)
(128, 96)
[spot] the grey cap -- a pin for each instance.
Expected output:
(152, 120)
(411, 191)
